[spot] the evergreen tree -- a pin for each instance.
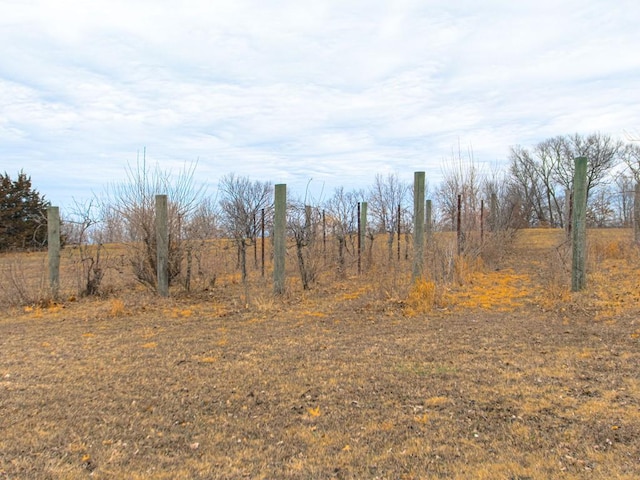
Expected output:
(23, 214)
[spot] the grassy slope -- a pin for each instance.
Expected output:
(510, 376)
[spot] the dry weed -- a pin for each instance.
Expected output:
(421, 299)
(116, 308)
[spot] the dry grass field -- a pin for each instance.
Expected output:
(501, 373)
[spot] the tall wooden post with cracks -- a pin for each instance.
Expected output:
(279, 238)
(53, 249)
(418, 224)
(579, 227)
(162, 245)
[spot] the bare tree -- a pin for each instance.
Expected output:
(544, 175)
(113, 226)
(204, 222)
(201, 226)
(386, 194)
(631, 158)
(241, 203)
(134, 202)
(623, 199)
(461, 177)
(533, 176)
(525, 182)
(551, 156)
(602, 152)
(600, 212)
(83, 232)
(343, 211)
(302, 222)
(509, 212)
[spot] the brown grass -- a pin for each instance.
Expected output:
(371, 376)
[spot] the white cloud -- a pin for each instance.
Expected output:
(287, 91)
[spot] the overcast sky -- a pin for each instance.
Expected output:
(293, 91)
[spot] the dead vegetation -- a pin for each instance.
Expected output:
(499, 373)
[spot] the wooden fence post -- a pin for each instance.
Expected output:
(53, 249)
(579, 227)
(428, 220)
(418, 224)
(362, 230)
(162, 245)
(255, 243)
(493, 212)
(279, 238)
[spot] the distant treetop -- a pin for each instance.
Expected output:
(23, 214)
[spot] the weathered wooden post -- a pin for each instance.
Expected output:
(279, 238)
(418, 224)
(493, 212)
(636, 213)
(579, 227)
(53, 249)
(363, 224)
(568, 209)
(429, 220)
(162, 245)
(363, 227)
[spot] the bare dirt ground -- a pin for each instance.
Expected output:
(507, 376)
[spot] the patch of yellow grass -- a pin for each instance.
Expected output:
(465, 268)
(207, 359)
(421, 298)
(422, 419)
(502, 290)
(116, 308)
(434, 402)
(264, 303)
(314, 412)
(352, 294)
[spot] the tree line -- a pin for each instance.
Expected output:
(534, 190)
